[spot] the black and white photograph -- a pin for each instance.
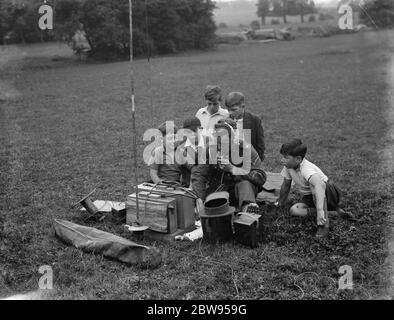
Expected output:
(210, 154)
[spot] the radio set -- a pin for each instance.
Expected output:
(164, 209)
(248, 228)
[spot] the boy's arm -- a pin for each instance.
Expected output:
(284, 191)
(319, 192)
(260, 146)
(254, 172)
(153, 175)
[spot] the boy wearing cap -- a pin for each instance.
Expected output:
(187, 153)
(162, 164)
(235, 104)
(319, 195)
(212, 112)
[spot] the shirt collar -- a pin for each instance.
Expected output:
(220, 111)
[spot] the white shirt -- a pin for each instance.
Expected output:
(302, 175)
(208, 120)
(239, 132)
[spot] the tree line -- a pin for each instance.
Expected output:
(159, 26)
(284, 8)
(378, 13)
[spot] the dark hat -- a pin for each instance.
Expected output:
(234, 98)
(163, 128)
(213, 92)
(217, 205)
(192, 123)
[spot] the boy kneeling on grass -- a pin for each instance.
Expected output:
(319, 195)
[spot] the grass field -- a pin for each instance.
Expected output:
(66, 129)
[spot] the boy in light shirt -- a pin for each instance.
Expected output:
(212, 113)
(319, 195)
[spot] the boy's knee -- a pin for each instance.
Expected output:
(299, 209)
(293, 210)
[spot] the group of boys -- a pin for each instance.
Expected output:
(209, 169)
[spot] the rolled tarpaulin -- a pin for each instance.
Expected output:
(95, 241)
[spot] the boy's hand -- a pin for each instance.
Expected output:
(224, 164)
(279, 203)
(321, 220)
(199, 205)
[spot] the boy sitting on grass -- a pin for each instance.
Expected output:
(162, 164)
(320, 196)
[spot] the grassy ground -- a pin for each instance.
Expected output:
(65, 130)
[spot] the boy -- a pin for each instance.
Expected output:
(319, 195)
(235, 104)
(242, 184)
(162, 164)
(212, 113)
(188, 149)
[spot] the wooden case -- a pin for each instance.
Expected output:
(157, 212)
(184, 203)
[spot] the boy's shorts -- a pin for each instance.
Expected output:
(333, 196)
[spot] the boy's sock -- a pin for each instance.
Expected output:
(322, 231)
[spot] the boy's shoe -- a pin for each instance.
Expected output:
(252, 208)
(345, 214)
(322, 231)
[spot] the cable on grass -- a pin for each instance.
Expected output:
(300, 275)
(296, 285)
(360, 286)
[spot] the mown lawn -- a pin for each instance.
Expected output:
(69, 131)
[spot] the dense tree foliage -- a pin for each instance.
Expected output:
(159, 26)
(263, 8)
(378, 13)
(19, 21)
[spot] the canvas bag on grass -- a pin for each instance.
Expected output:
(111, 246)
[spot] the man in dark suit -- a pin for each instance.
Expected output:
(235, 104)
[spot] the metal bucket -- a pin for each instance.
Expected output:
(216, 219)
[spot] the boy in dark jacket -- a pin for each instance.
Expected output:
(235, 104)
(242, 177)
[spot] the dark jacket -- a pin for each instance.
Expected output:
(206, 178)
(254, 123)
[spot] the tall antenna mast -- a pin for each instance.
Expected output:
(133, 106)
